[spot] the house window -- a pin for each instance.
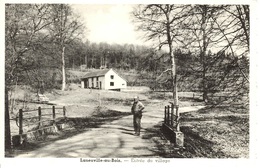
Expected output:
(112, 76)
(97, 82)
(111, 83)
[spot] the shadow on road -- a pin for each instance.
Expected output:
(129, 133)
(72, 127)
(162, 147)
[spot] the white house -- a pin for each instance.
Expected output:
(107, 79)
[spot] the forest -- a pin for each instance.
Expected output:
(201, 48)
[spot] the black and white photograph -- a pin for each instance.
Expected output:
(131, 83)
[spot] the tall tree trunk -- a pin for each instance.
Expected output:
(63, 69)
(86, 61)
(174, 79)
(93, 65)
(173, 64)
(203, 54)
(105, 64)
(7, 123)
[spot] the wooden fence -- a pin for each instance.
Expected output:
(37, 120)
(171, 125)
(172, 117)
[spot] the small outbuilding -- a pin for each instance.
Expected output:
(106, 79)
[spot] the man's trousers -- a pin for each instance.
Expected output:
(137, 123)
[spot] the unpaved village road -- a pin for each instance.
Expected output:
(111, 140)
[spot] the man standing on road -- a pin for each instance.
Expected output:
(136, 110)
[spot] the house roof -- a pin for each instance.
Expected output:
(96, 73)
(100, 73)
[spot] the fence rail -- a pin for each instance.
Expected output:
(39, 118)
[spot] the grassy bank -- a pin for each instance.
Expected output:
(215, 133)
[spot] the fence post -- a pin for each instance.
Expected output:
(39, 116)
(177, 118)
(20, 121)
(64, 111)
(168, 114)
(172, 114)
(165, 112)
(53, 114)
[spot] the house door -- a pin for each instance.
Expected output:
(100, 85)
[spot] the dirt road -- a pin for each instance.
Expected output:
(114, 139)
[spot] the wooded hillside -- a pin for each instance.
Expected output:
(40, 49)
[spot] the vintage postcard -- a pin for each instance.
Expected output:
(150, 83)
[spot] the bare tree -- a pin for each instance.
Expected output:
(24, 26)
(22, 34)
(27, 41)
(200, 37)
(235, 31)
(161, 23)
(211, 32)
(65, 28)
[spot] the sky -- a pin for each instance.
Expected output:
(108, 23)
